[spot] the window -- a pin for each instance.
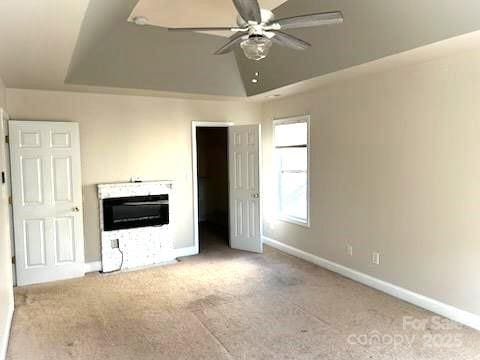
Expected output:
(291, 140)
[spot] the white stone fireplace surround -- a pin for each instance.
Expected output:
(141, 247)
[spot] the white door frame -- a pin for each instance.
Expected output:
(195, 125)
(6, 119)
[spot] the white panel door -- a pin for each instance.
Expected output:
(47, 201)
(245, 214)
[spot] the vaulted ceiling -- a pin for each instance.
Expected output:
(372, 29)
(90, 45)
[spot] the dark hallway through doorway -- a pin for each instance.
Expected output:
(212, 160)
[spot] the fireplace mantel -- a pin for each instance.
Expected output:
(106, 191)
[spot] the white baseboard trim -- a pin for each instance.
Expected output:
(188, 251)
(435, 306)
(94, 266)
(5, 336)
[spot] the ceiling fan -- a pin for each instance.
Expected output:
(257, 29)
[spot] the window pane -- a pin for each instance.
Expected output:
(293, 159)
(291, 134)
(293, 195)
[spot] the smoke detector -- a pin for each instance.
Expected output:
(140, 20)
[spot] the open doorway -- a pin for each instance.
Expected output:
(213, 187)
(238, 149)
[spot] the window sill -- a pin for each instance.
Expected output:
(294, 221)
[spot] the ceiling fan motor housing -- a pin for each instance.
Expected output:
(267, 17)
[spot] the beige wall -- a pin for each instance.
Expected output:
(395, 168)
(125, 136)
(6, 284)
(3, 94)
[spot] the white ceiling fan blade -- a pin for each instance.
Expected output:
(290, 41)
(320, 19)
(228, 47)
(231, 28)
(249, 10)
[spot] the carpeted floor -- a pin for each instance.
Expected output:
(226, 304)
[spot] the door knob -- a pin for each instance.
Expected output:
(76, 209)
(256, 196)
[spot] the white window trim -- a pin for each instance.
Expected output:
(285, 218)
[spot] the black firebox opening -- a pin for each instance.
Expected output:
(135, 212)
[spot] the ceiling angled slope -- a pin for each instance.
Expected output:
(123, 55)
(89, 45)
(372, 30)
(37, 38)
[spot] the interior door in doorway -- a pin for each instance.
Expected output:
(47, 201)
(244, 178)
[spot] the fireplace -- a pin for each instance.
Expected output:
(137, 224)
(135, 212)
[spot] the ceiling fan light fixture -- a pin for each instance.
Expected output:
(256, 47)
(257, 29)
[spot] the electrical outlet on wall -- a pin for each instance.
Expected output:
(376, 258)
(349, 249)
(115, 244)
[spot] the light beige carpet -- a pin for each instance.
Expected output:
(226, 304)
